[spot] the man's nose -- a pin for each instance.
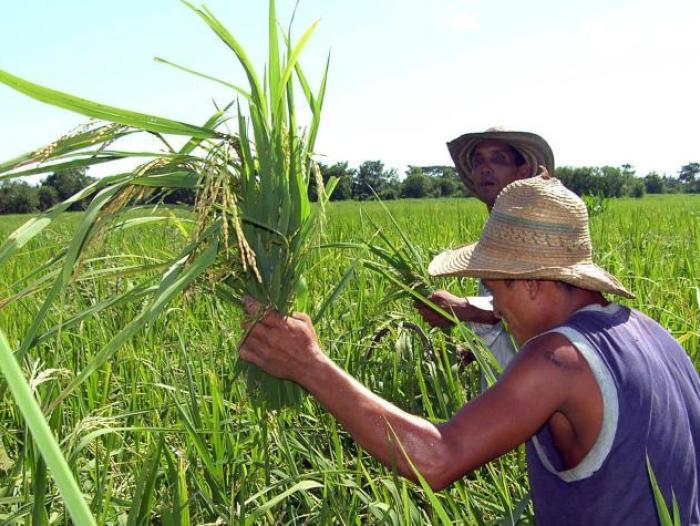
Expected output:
(485, 167)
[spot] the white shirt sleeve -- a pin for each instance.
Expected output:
(495, 337)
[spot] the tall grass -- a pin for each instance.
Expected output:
(166, 433)
(251, 232)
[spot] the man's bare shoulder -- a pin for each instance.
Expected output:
(556, 350)
(541, 380)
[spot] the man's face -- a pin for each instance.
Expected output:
(493, 168)
(513, 303)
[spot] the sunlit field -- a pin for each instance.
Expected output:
(165, 432)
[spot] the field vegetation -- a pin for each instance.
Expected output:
(20, 197)
(165, 432)
(121, 396)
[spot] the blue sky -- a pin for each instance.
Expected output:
(605, 82)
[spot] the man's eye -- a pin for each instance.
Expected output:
(500, 158)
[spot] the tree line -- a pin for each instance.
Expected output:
(443, 181)
(370, 177)
(19, 197)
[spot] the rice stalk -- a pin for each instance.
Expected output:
(43, 437)
(252, 191)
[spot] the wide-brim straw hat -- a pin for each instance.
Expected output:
(531, 146)
(537, 229)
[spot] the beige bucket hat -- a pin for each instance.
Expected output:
(537, 229)
(531, 146)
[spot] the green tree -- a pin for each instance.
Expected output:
(444, 181)
(343, 189)
(672, 184)
(18, 197)
(631, 185)
(68, 182)
(372, 176)
(48, 196)
(608, 181)
(653, 183)
(614, 181)
(450, 184)
(687, 177)
(637, 188)
(340, 171)
(416, 184)
(391, 186)
(583, 180)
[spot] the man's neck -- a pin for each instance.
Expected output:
(578, 299)
(562, 304)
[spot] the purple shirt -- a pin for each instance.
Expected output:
(651, 401)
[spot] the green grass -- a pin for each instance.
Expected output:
(165, 430)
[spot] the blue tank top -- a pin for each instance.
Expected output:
(651, 399)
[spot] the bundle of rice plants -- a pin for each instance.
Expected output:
(404, 265)
(253, 222)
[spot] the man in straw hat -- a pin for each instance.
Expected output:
(595, 390)
(487, 162)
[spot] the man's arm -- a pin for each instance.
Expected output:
(531, 390)
(461, 307)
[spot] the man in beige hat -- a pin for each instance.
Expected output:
(487, 162)
(596, 391)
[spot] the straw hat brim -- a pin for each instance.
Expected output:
(531, 146)
(468, 261)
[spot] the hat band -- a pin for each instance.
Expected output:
(535, 224)
(507, 236)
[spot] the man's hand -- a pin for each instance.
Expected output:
(451, 303)
(283, 346)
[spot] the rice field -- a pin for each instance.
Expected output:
(166, 433)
